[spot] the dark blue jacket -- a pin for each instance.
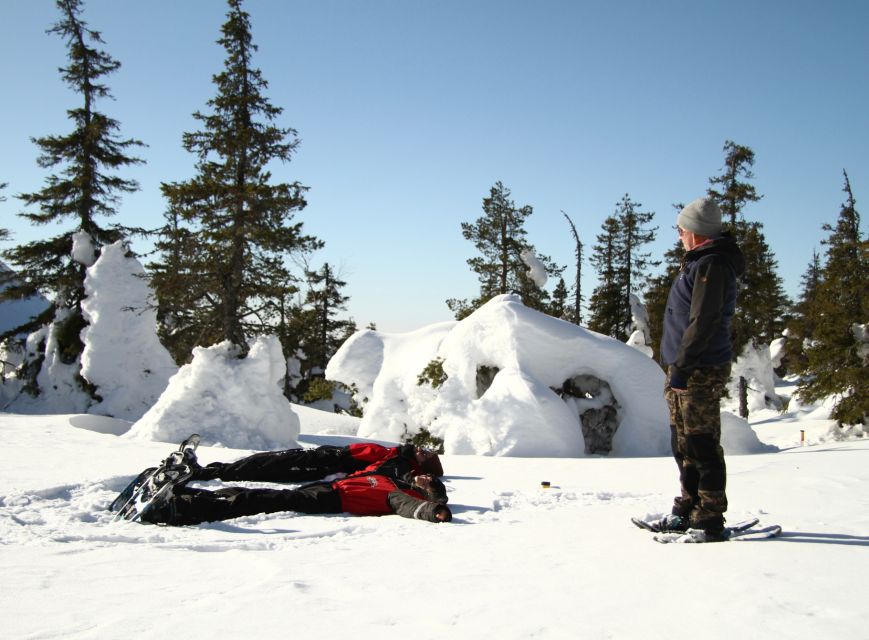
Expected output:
(700, 308)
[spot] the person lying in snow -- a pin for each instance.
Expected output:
(300, 465)
(403, 462)
(362, 494)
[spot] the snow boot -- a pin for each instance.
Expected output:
(671, 522)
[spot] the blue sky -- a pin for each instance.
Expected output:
(409, 111)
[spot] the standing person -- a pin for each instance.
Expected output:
(696, 349)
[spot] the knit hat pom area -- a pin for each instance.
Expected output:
(702, 217)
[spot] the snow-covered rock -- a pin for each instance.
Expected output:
(518, 383)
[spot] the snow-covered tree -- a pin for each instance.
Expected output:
(641, 335)
(122, 358)
(85, 190)
(500, 237)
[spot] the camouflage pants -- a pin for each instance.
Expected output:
(695, 427)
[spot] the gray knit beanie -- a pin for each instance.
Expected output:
(702, 217)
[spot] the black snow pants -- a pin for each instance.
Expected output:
(192, 506)
(290, 465)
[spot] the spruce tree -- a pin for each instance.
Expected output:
(5, 276)
(606, 306)
(499, 235)
(4, 233)
(312, 333)
(730, 189)
(634, 234)
(558, 308)
(622, 267)
(238, 225)
(84, 191)
(659, 291)
(761, 302)
(181, 315)
(801, 327)
(578, 299)
(327, 332)
(836, 358)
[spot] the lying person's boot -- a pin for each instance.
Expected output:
(160, 513)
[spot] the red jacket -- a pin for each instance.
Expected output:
(375, 456)
(369, 495)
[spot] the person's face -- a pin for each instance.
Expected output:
(687, 238)
(423, 455)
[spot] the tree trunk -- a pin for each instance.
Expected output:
(743, 397)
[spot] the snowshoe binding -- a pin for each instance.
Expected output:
(153, 487)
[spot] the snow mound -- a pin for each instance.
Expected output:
(123, 357)
(231, 402)
(738, 438)
(517, 382)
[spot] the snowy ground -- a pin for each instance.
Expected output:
(518, 561)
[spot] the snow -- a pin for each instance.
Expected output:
(640, 337)
(229, 401)
(519, 414)
(123, 357)
(755, 364)
(60, 392)
(536, 269)
(517, 561)
(83, 249)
